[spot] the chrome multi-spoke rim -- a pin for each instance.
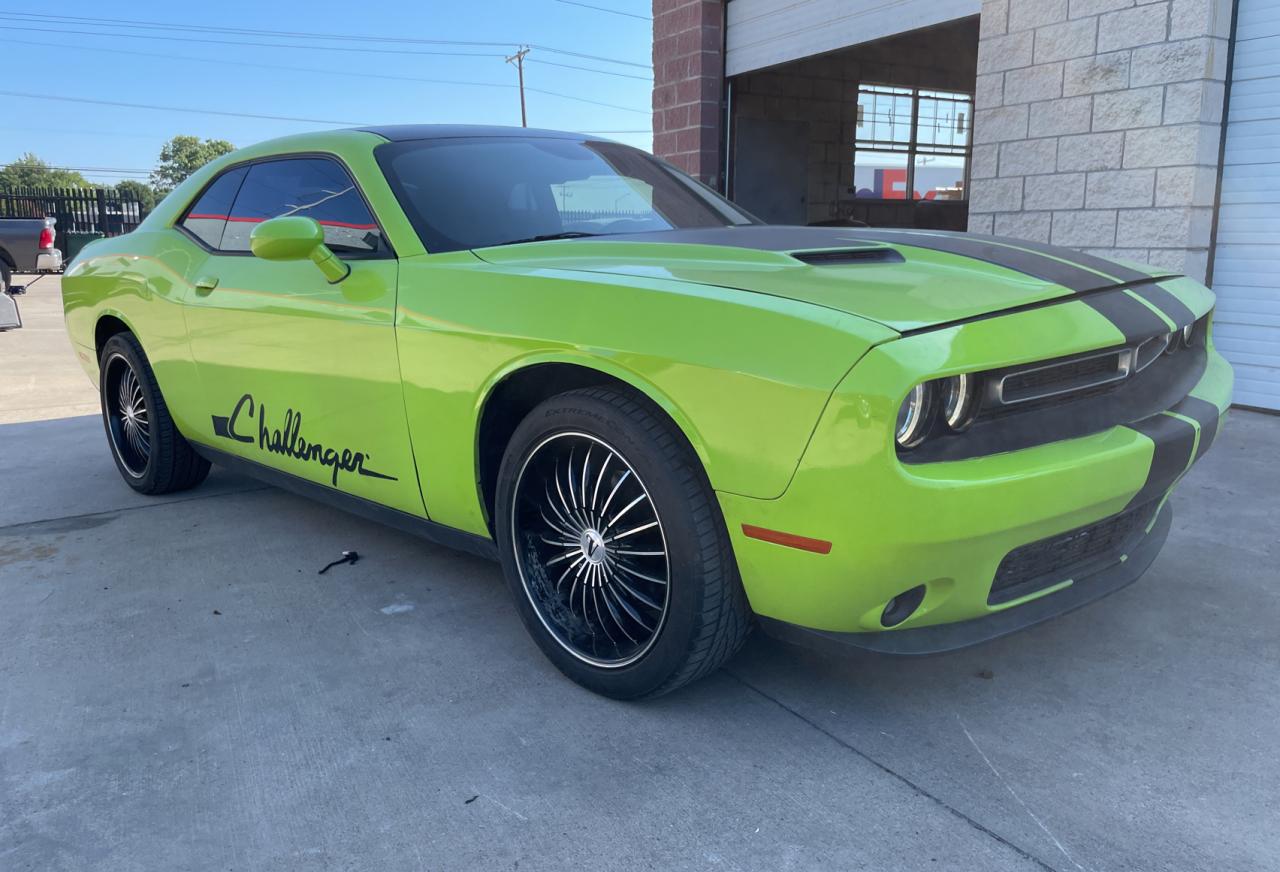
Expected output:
(128, 420)
(590, 549)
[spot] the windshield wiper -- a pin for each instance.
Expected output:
(547, 237)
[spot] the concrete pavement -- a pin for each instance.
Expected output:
(40, 377)
(180, 690)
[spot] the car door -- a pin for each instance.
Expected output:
(295, 372)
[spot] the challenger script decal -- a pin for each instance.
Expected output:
(288, 440)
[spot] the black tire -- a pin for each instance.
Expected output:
(705, 616)
(168, 463)
(6, 277)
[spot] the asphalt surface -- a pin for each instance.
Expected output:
(180, 690)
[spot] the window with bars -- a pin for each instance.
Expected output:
(912, 143)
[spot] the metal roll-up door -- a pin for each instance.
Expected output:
(1246, 273)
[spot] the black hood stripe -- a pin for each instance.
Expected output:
(1089, 269)
(990, 250)
(1144, 284)
(1085, 274)
(1132, 317)
(1205, 414)
(1174, 439)
(1117, 271)
(1080, 273)
(1163, 299)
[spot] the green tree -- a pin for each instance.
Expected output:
(29, 171)
(182, 156)
(140, 191)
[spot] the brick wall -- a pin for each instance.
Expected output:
(1097, 125)
(688, 83)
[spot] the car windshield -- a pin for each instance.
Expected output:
(482, 191)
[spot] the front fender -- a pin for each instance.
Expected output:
(745, 376)
(575, 357)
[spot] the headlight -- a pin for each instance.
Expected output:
(914, 417)
(938, 406)
(959, 396)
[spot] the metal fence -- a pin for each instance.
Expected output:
(103, 210)
(78, 210)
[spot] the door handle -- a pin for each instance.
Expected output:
(205, 284)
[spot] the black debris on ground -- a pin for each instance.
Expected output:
(347, 557)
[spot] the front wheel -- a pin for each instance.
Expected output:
(614, 546)
(152, 456)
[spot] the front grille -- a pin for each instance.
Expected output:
(1083, 550)
(1085, 376)
(1060, 378)
(1070, 397)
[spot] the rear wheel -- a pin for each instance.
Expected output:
(152, 456)
(614, 547)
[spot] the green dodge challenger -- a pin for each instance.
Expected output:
(667, 420)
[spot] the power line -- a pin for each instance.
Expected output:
(20, 164)
(589, 57)
(307, 48)
(194, 28)
(173, 108)
(589, 70)
(350, 74)
(115, 177)
(107, 174)
(603, 9)
(411, 52)
(451, 54)
(585, 100)
(80, 131)
(134, 23)
(288, 67)
(113, 173)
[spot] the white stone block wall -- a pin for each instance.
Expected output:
(1097, 125)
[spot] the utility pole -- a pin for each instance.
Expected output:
(518, 60)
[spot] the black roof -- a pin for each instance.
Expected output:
(407, 132)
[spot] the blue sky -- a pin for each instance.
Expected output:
(88, 59)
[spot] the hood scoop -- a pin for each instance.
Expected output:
(846, 256)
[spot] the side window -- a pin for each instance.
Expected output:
(315, 187)
(208, 215)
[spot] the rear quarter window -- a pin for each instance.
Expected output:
(315, 187)
(207, 217)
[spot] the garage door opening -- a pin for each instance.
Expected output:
(878, 133)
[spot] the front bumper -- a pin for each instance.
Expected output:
(947, 526)
(49, 260)
(941, 638)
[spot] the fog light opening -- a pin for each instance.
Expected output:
(902, 606)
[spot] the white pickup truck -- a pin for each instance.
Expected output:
(26, 245)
